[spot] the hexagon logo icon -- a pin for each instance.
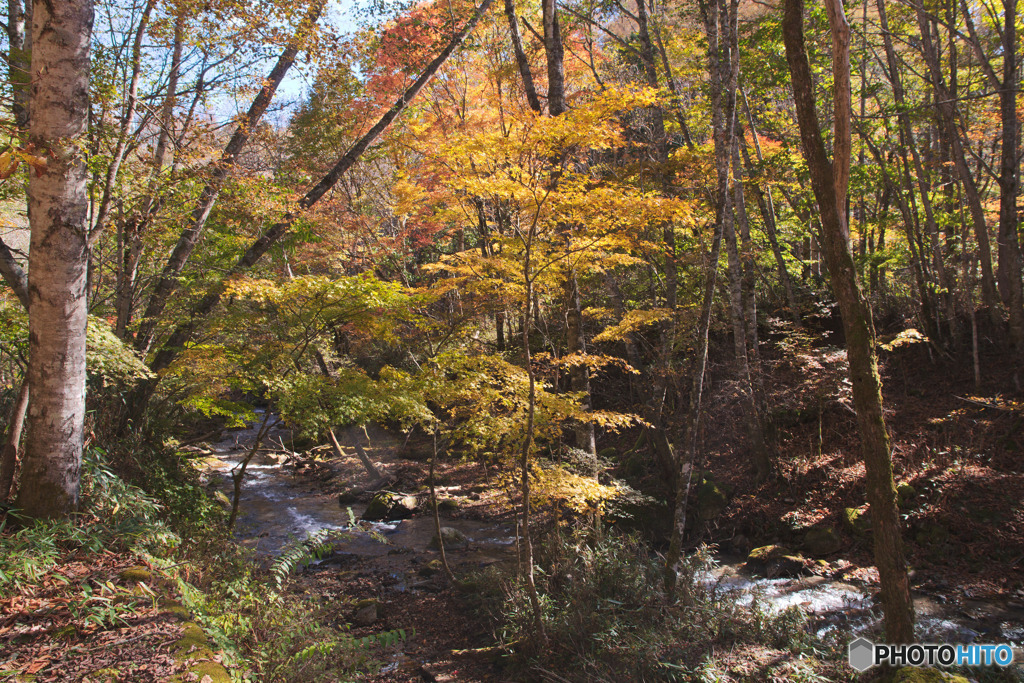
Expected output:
(862, 654)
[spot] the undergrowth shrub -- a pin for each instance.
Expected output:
(267, 632)
(607, 618)
(115, 516)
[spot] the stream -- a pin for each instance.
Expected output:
(278, 507)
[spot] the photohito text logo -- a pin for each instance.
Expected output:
(864, 654)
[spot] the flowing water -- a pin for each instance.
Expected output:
(278, 507)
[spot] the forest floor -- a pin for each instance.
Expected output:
(960, 447)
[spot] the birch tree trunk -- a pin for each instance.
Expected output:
(58, 205)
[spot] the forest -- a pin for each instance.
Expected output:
(528, 340)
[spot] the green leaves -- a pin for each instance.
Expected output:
(107, 358)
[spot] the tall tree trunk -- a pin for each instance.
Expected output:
(1009, 181)
(163, 153)
(826, 176)
(766, 204)
(579, 375)
(528, 440)
(908, 142)
(688, 453)
(58, 256)
(127, 120)
(723, 44)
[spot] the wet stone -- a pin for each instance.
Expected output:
(453, 538)
(821, 540)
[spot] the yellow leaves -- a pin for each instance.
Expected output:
(11, 158)
(581, 493)
(908, 336)
(592, 362)
(8, 164)
(613, 421)
(408, 197)
(633, 321)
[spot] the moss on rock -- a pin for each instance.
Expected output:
(175, 609)
(216, 672)
(137, 574)
(906, 494)
(913, 674)
(857, 522)
(822, 540)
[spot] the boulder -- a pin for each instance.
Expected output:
(403, 507)
(760, 556)
(775, 561)
(222, 499)
(453, 538)
(821, 540)
(387, 506)
(366, 612)
(379, 507)
(347, 497)
(857, 522)
(431, 568)
(906, 495)
(447, 505)
(711, 501)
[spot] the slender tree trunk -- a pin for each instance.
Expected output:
(163, 152)
(522, 62)
(908, 142)
(437, 515)
(168, 281)
(183, 331)
(130, 232)
(238, 477)
(19, 46)
(579, 375)
(688, 455)
(723, 43)
(946, 108)
(867, 387)
(127, 120)
(524, 462)
(1009, 181)
(766, 204)
(58, 257)
(12, 441)
(555, 58)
